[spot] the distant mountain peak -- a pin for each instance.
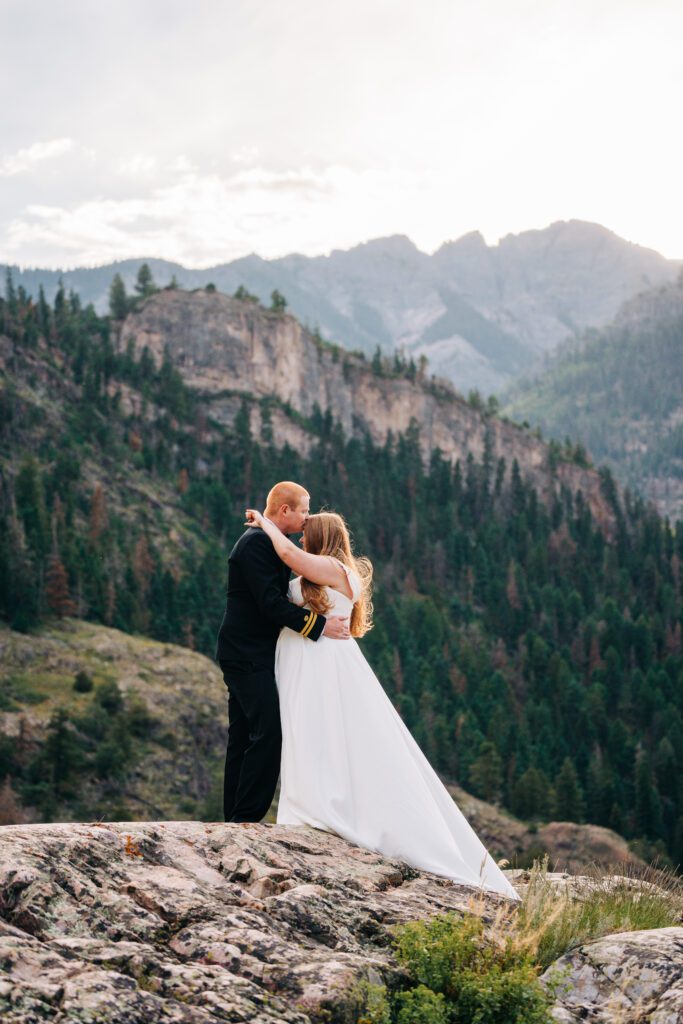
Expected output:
(470, 240)
(390, 245)
(575, 233)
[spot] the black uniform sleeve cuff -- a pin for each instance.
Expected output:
(313, 625)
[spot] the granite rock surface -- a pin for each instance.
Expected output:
(192, 922)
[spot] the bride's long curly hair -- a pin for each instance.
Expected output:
(326, 533)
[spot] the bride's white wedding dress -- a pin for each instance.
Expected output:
(350, 765)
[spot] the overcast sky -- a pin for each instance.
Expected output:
(202, 130)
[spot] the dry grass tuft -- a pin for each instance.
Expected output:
(626, 897)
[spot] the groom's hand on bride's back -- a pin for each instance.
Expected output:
(337, 628)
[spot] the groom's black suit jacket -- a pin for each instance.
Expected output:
(257, 606)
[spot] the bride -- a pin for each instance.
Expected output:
(349, 764)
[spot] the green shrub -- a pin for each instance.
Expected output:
(15, 691)
(421, 1006)
(110, 697)
(140, 720)
(109, 763)
(82, 682)
(482, 980)
(376, 1005)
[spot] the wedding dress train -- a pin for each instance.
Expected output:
(350, 765)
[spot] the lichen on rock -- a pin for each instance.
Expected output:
(627, 978)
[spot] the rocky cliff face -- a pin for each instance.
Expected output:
(183, 922)
(227, 348)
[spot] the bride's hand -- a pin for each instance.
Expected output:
(254, 518)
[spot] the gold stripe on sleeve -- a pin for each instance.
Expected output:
(311, 622)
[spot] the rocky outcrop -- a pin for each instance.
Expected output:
(227, 349)
(134, 923)
(188, 922)
(629, 978)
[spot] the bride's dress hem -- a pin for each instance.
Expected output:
(463, 882)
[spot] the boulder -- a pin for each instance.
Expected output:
(627, 978)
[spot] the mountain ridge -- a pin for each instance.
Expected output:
(524, 295)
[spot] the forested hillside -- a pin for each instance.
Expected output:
(620, 392)
(536, 661)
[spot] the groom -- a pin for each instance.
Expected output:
(256, 609)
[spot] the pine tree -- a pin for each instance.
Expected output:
(531, 794)
(245, 296)
(30, 499)
(143, 566)
(98, 514)
(44, 314)
(61, 753)
(665, 764)
(569, 805)
(11, 294)
(60, 306)
(118, 300)
(647, 807)
(486, 773)
(511, 587)
(57, 588)
(278, 303)
(144, 282)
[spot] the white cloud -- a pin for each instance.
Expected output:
(26, 159)
(140, 165)
(245, 155)
(195, 218)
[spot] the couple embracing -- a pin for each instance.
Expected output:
(305, 704)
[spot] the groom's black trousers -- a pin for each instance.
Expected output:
(252, 759)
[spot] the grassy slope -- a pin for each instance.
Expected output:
(178, 762)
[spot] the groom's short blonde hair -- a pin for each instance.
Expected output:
(285, 493)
